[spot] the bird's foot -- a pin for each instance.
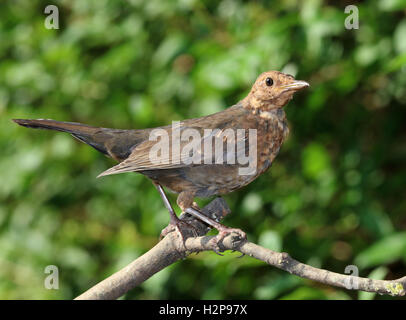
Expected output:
(184, 229)
(216, 242)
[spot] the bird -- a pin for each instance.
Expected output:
(191, 166)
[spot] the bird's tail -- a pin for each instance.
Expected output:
(90, 135)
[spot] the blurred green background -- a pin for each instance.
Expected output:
(335, 196)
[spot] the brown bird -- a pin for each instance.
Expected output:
(183, 156)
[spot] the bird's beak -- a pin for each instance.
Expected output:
(295, 85)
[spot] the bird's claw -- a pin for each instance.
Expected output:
(182, 227)
(168, 229)
(215, 242)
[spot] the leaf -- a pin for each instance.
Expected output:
(315, 160)
(270, 240)
(387, 250)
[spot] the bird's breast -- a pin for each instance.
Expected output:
(272, 132)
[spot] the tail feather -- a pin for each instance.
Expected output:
(71, 127)
(80, 131)
(114, 143)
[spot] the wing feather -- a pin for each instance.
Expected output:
(144, 157)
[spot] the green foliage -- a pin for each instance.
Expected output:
(335, 195)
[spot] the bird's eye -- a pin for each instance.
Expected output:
(269, 82)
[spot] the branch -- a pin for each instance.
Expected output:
(169, 250)
(172, 249)
(283, 261)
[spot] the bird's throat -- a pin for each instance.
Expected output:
(257, 106)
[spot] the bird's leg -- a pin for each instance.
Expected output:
(185, 202)
(174, 222)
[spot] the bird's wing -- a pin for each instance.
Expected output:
(187, 143)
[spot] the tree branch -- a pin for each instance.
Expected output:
(172, 248)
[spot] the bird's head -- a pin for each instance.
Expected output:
(273, 89)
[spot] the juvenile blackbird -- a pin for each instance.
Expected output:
(215, 174)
